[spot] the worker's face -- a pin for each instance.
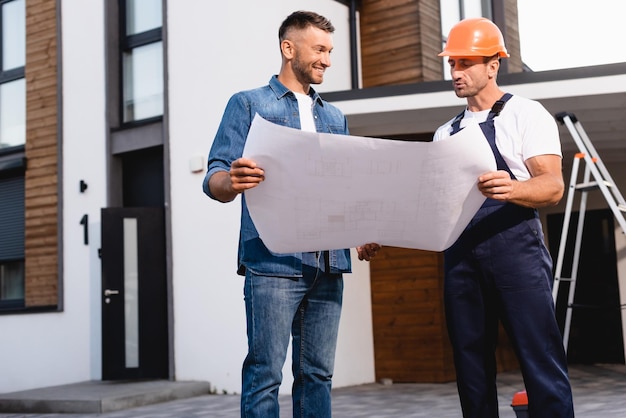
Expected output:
(470, 74)
(312, 48)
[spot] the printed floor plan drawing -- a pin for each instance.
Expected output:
(326, 191)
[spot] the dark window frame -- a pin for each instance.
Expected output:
(136, 134)
(126, 44)
(13, 73)
(140, 39)
(10, 75)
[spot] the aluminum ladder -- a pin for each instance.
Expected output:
(595, 177)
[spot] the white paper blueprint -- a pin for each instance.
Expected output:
(327, 191)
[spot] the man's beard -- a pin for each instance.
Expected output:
(303, 74)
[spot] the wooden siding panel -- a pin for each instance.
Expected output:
(41, 159)
(430, 40)
(40, 82)
(511, 37)
(42, 250)
(45, 122)
(410, 339)
(38, 202)
(400, 40)
(41, 177)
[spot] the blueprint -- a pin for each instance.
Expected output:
(327, 191)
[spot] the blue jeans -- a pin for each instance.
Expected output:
(307, 308)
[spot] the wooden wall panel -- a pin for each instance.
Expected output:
(511, 37)
(41, 178)
(410, 339)
(400, 40)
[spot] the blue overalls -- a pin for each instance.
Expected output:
(500, 268)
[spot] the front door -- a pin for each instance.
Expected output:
(134, 294)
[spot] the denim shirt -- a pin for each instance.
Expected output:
(277, 104)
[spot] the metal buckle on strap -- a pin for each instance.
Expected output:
(497, 107)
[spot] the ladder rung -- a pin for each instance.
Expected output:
(591, 185)
(565, 279)
(622, 208)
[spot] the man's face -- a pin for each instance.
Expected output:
(469, 75)
(312, 55)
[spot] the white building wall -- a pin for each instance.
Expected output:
(213, 53)
(49, 349)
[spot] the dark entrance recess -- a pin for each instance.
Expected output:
(135, 332)
(142, 178)
(596, 325)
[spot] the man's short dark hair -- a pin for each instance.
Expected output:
(303, 19)
(487, 59)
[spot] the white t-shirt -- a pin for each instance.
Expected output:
(524, 129)
(305, 106)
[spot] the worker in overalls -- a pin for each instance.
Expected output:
(500, 268)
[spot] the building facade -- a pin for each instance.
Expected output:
(114, 264)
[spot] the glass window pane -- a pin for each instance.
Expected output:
(473, 8)
(143, 15)
(13, 35)
(12, 113)
(452, 11)
(143, 82)
(131, 293)
(450, 15)
(12, 281)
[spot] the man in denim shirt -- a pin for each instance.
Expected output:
(298, 294)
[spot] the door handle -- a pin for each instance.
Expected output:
(109, 292)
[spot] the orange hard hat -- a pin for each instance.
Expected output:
(475, 37)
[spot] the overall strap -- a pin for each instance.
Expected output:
(489, 130)
(456, 123)
(498, 106)
(495, 111)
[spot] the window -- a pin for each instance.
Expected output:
(12, 140)
(12, 242)
(142, 60)
(12, 86)
(453, 11)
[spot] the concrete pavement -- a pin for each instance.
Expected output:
(599, 392)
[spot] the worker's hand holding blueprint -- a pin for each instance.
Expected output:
(326, 191)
